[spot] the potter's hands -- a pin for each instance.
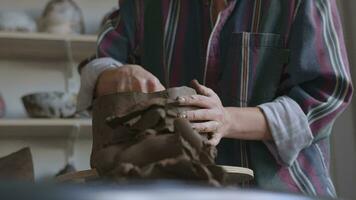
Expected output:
(127, 78)
(211, 118)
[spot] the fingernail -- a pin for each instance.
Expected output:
(181, 99)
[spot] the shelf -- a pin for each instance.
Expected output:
(59, 128)
(44, 46)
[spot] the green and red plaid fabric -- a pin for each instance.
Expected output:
(256, 51)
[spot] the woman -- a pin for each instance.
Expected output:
(274, 76)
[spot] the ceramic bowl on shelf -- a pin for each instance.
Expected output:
(50, 105)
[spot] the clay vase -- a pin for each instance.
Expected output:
(2, 107)
(62, 17)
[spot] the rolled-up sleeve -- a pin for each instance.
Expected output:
(289, 127)
(89, 76)
(112, 52)
(316, 84)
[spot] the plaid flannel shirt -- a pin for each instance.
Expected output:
(287, 57)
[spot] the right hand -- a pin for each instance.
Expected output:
(127, 78)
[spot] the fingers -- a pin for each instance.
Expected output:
(206, 127)
(142, 81)
(199, 115)
(133, 78)
(153, 85)
(201, 89)
(196, 100)
(215, 140)
(148, 82)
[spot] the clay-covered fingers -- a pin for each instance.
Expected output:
(197, 101)
(200, 115)
(127, 78)
(215, 140)
(206, 127)
(137, 79)
(154, 85)
(201, 89)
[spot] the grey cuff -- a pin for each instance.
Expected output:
(89, 76)
(289, 127)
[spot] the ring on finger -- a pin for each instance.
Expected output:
(182, 115)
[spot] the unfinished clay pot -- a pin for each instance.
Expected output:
(17, 166)
(62, 17)
(139, 136)
(50, 105)
(17, 22)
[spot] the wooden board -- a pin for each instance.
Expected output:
(236, 174)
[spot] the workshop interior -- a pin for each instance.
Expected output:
(139, 145)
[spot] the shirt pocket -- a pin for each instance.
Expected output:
(253, 68)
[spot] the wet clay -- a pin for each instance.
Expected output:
(139, 136)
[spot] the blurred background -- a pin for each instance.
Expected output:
(32, 62)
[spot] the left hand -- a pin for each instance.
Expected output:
(211, 118)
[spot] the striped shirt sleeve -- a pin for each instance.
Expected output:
(113, 40)
(317, 78)
(112, 48)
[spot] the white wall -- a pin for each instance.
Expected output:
(344, 134)
(19, 77)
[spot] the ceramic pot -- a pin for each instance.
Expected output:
(50, 105)
(62, 17)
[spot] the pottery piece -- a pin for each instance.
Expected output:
(140, 136)
(17, 166)
(17, 22)
(50, 105)
(62, 17)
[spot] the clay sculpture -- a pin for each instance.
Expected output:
(17, 166)
(140, 136)
(62, 17)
